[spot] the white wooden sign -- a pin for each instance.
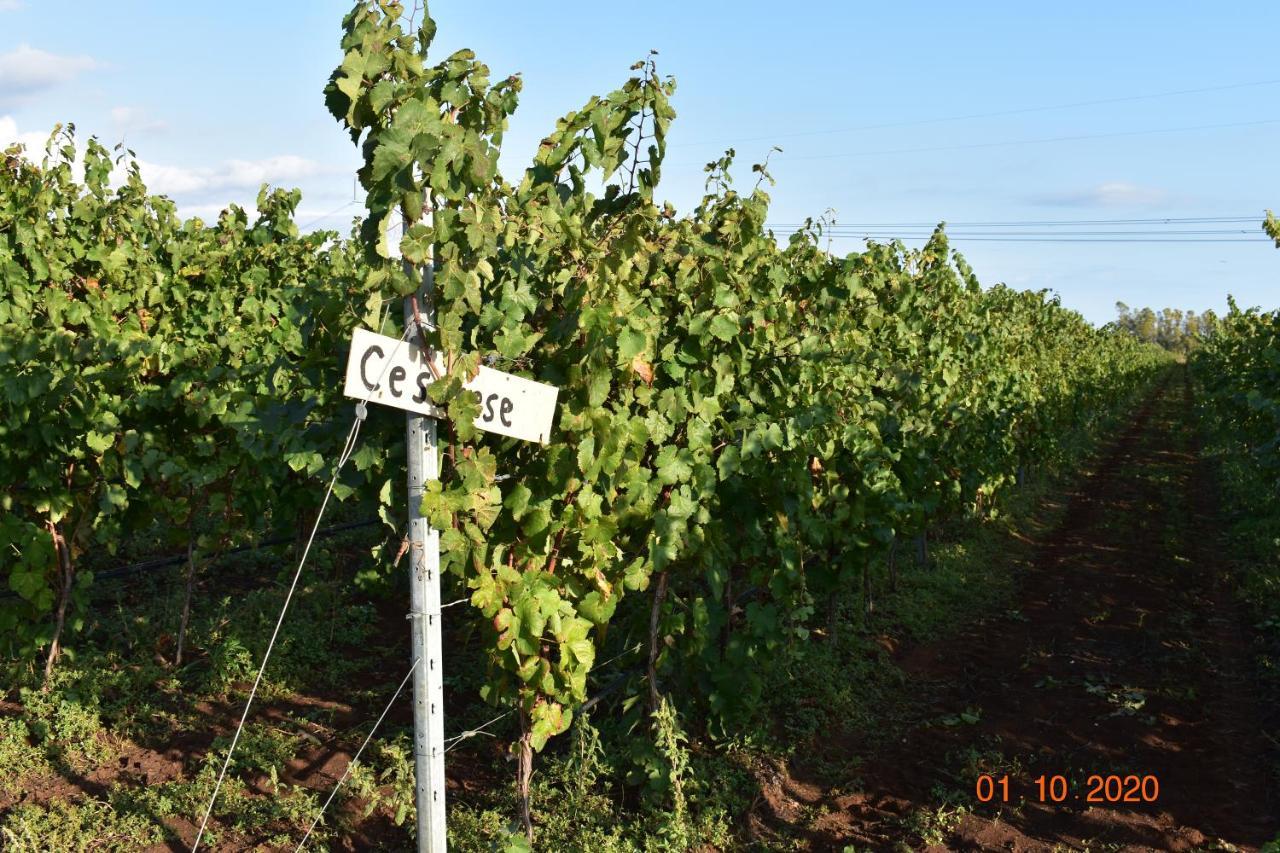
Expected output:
(394, 372)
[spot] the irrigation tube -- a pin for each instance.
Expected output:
(157, 563)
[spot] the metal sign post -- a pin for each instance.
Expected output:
(424, 602)
(509, 405)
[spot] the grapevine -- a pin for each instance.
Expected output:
(745, 426)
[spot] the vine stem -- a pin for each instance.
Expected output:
(659, 596)
(524, 772)
(190, 585)
(60, 619)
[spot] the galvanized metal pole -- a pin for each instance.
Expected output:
(424, 601)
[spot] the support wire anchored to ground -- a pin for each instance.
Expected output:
(352, 436)
(356, 757)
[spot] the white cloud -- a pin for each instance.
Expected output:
(1107, 194)
(164, 179)
(1123, 193)
(308, 218)
(26, 70)
(136, 120)
(9, 134)
(10, 5)
(233, 174)
(204, 191)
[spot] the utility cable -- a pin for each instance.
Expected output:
(966, 232)
(1039, 141)
(970, 116)
(963, 239)
(1020, 223)
(322, 217)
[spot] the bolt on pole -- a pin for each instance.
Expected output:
(424, 598)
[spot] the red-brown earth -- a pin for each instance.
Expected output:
(1126, 653)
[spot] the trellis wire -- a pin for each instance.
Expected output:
(356, 757)
(348, 448)
(353, 435)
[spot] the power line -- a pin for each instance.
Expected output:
(1036, 222)
(1169, 229)
(925, 232)
(325, 216)
(1040, 141)
(994, 114)
(1262, 240)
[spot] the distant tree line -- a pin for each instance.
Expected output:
(1175, 330)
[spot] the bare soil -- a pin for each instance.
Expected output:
(1126, 654)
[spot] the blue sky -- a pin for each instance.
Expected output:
(217, 97)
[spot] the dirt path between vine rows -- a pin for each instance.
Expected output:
(1126, 655)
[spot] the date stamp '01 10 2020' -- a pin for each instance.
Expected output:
(1107, 789)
